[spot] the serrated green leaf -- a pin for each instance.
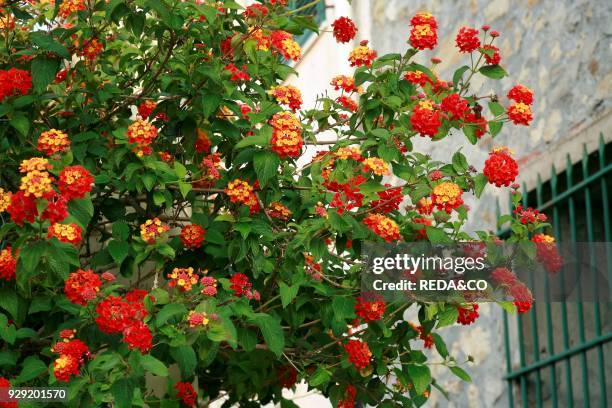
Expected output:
(266, 165)
(154, 366)
(493, 71)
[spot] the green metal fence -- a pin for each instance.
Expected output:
(316, 10)
(562, 346)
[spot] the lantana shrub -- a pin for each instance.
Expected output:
(155, 215)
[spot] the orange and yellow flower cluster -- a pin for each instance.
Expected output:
(142, 133)
(286, 135)
(447, 196)
(53, 141)
(152, 230)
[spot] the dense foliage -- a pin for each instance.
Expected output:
(155, 213)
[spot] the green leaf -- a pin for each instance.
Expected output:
(440, 345)
(447, 317)
(9, 302)
(82, 210)
(480, 182)
(43, 72)
(420, 376)
(121, 230)
(320, 377)
(8, 334)
(338, 223)
(31, 255)
(186, 359)
(184, 188)
(148, 179)
(493, 71)
(266, 165)
(461, 373)
(210, 104)
(460, 163)
(154, 366)
(272, 332)
(8, 358)
(180, 170)
(169, 311)
(470, 133)
(123, 393)
(496, 108)
(32, 368)
(46, 42)
(344, 307)
(459, 74)
(223, 330)
(288, 293)
(438, 236)
(118, 250)
(260, 140)
(495, 127)
(21, 124)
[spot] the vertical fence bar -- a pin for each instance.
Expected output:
(579, 306)
(601, 372)
(549, 325)
(606, 206)
(534, 325)
(506, 337)
(564, 328)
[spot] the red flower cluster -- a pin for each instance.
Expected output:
(237, 74)
(344, 29)
(82, 286)
(362, 55)
(287, 95)
(421, 232)
(347, 84)
(347, 103)
(146, 108)
(152, 229)
(279, 211)
(522, 94)
(382, 226)
(240, 191)
(192, 236)
(494, 58)
(255, 10)
(53, 141)
(547, 253)
(4, 383)
(467, 39)
(350, 394)
(503, 276)
(520, 113)
(370, 310)
(427, 338)
(75, 182)
(117, 315)
(467, 315)
(523, 299)
(446, 196)
(242, 286)
(22, 208)
(424, 206)
(500, 168)
(209, 285)
(287, 376)
(286, 135)
(72, 355)
(202, 144)
(183, 278)
(359, 353)
(285, 45)
(390, 200)
(14, 82)
(8, 264)
(91, 49)
(455, 106)
(57, 208)
(425, 120)
(142, 134)
(423, 33)
(186, 393)
(529, 215)
(210, 166)
(67, 233)
(138, 336)
(70, 6)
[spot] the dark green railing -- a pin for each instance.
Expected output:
(317, 10)
(577, 202)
